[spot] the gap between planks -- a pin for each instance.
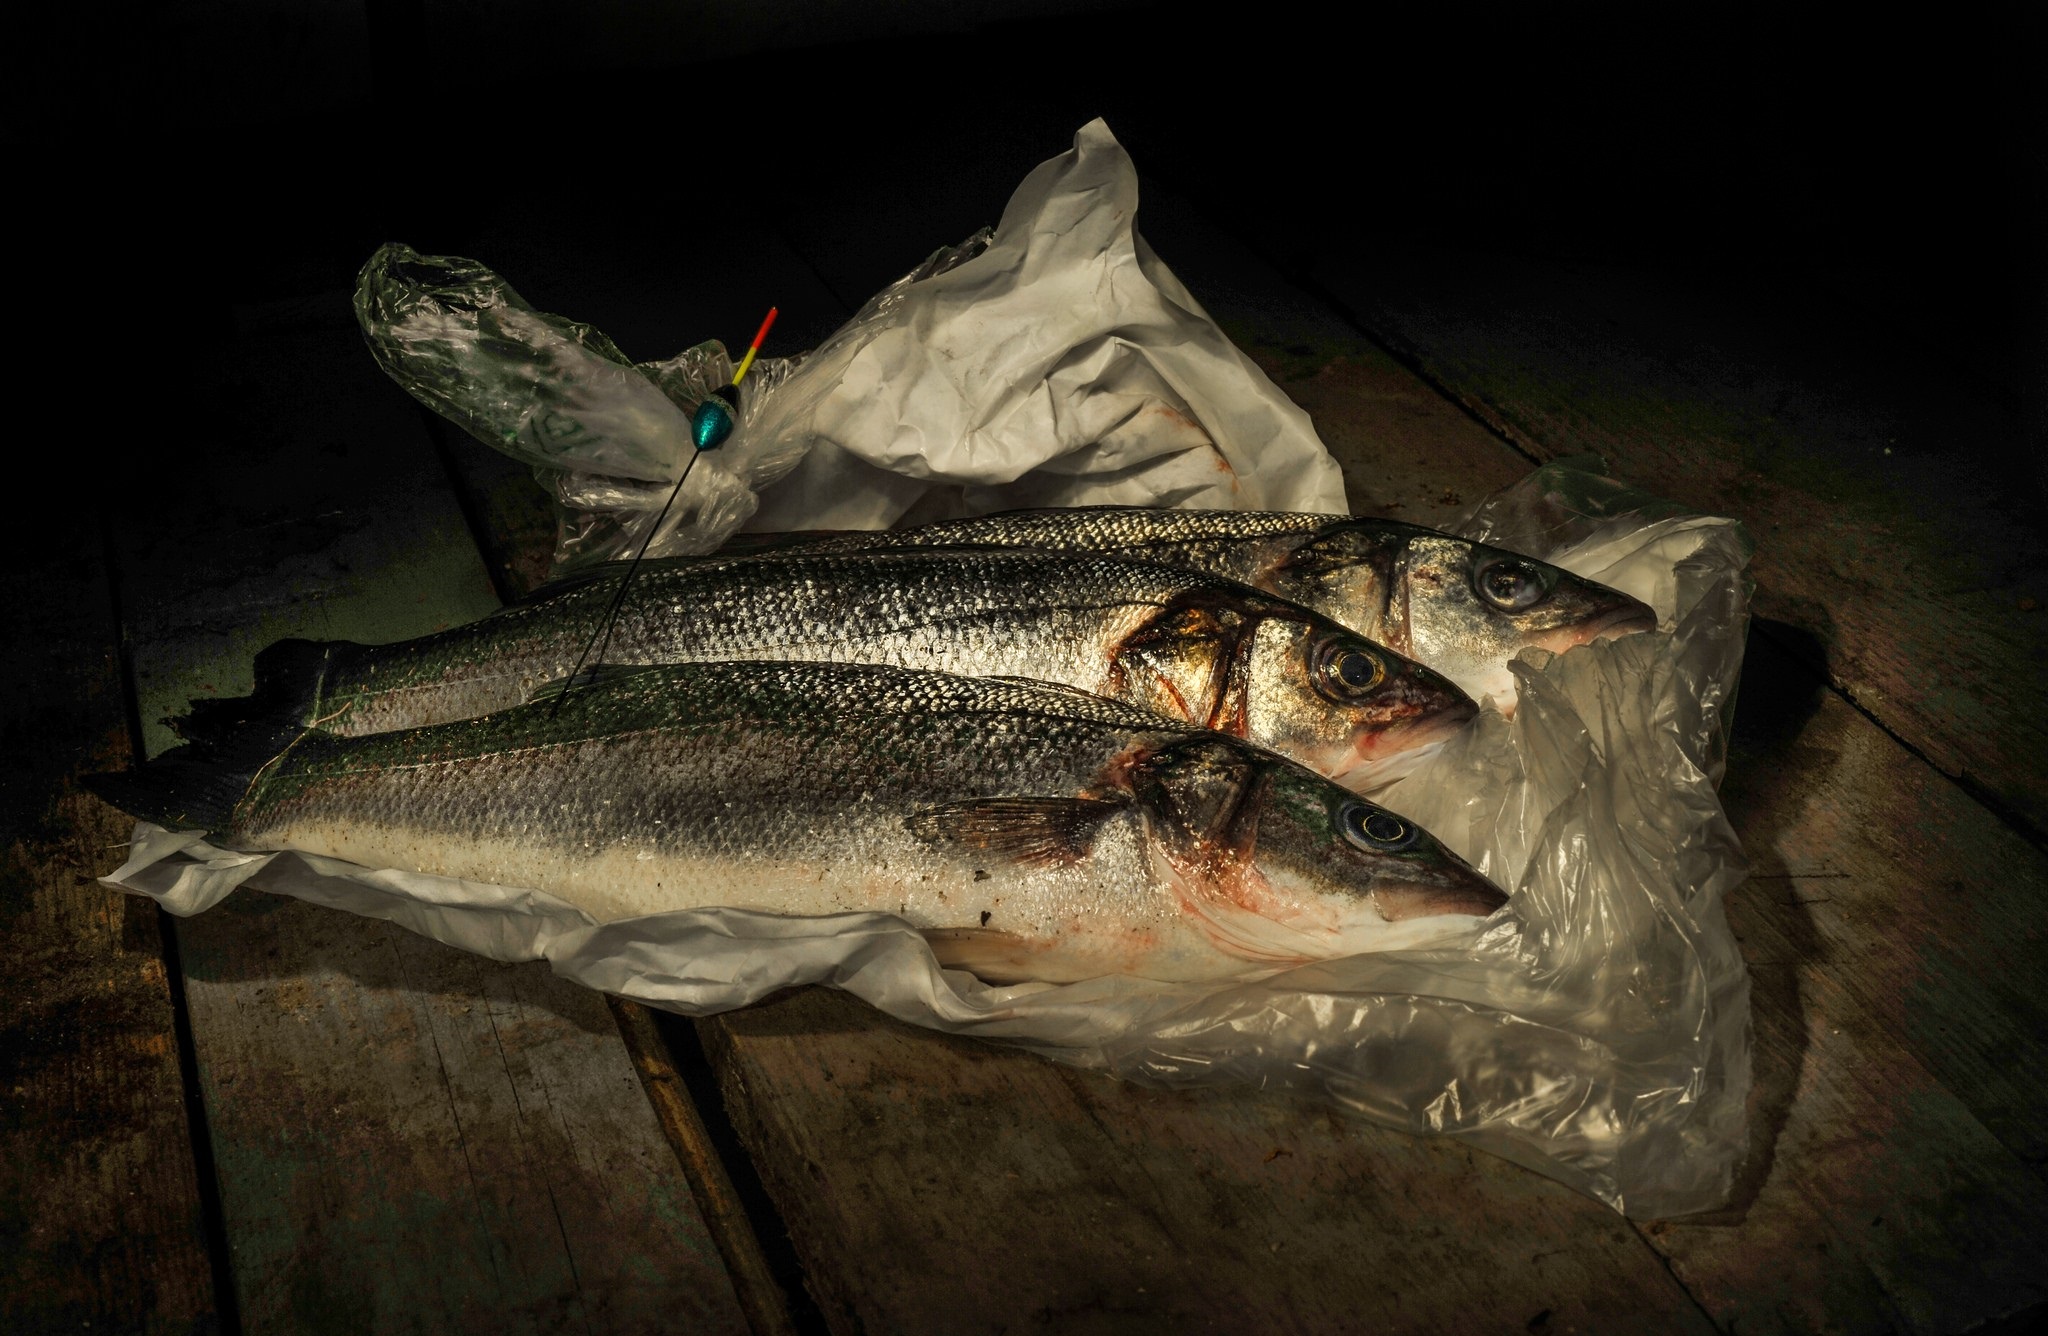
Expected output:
(199, 1133)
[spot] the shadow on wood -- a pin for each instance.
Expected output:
(1776, 699)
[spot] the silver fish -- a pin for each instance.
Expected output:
(1032, 832)
(1461, 607)
(1200, 649)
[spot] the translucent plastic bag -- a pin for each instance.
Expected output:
(1051, 361)
(1594, 1029)
(606, 436)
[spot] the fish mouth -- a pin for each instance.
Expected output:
(1381, 756)
(1625, 620)
(1415, 901)
(1621, 622)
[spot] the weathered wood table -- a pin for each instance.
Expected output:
(275, 1118)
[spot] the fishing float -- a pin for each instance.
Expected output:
(710, 425)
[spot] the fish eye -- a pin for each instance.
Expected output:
(1346, 670)
(1376, 830)
(1512, 584)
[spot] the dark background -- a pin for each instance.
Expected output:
(202, 158)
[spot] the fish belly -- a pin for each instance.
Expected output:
(778, 819)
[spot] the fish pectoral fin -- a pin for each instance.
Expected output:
(1033, 831)
(988, 954)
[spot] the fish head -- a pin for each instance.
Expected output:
(1467, 609)
(1343, 705)
(1286, 678)
(1277, 864)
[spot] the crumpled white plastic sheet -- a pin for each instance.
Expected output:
(1055, 362)
(1594, 1029)
(1059, 363)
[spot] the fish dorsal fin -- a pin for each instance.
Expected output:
(1039, 832)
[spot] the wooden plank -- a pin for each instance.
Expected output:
(1919, 593)
(1052, 1199)
(413, 1138)
(101, 1221)
(1922, 906)
(1897, 1061)
(409, 1137)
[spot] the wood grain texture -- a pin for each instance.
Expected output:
(101, 1224)
(411, 1138)
(1892, 496)
(952, 1186)
(408, 1137)
(1892, 927)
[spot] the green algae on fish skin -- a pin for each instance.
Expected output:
(1032, 832)
(1199, 647)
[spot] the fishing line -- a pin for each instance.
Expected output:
(709, 426)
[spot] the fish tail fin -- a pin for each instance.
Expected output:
(198, 786)
(291, 676)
